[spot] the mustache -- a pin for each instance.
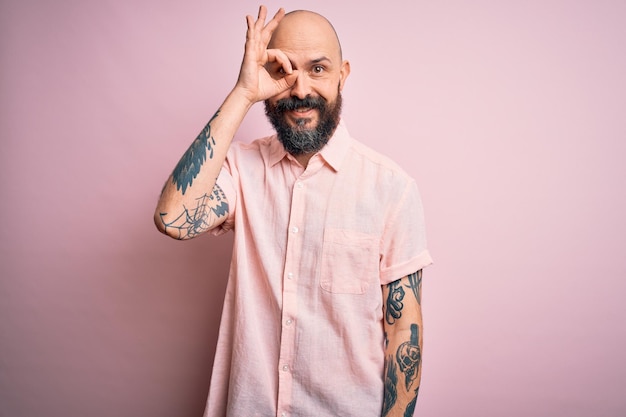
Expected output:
(293, 103)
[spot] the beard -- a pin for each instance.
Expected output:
(299, 140)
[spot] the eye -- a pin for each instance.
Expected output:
(318, 69)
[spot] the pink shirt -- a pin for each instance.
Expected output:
(301, 331)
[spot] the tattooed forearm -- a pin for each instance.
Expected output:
(394, 305)
(409, 357)
(403, 355)
(391, 381)
(415, 283)
(410, 408)
(192, 222)
(189, 165)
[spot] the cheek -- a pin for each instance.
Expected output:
(330, 89)
(330, 95)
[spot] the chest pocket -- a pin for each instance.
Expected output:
(350, 261)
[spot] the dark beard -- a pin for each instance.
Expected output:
(299, 140)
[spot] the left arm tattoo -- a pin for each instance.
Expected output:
(391, 381)
(394, 304)
(402, 344)
(409, 357)
(410, 408)
(415, 283)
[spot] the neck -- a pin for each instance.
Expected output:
(303, 159)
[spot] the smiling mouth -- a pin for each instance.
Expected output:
(302, 117)
(303, 110)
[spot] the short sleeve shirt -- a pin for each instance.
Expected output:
(301, 331)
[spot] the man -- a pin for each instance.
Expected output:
(322, 310)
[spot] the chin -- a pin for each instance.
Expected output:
(305, 124)
(302, 123)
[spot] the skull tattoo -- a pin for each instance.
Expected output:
(409, 356)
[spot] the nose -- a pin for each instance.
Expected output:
(302, 87)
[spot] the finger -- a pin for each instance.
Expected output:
(256, 26)
(250, 23)
(276, 55)
(287, 81)
(260, 21)
(272, 24)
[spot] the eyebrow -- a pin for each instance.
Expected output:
(311, 62)
(318, 60)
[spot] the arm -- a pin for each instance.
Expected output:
(403, 345)
(191, 203)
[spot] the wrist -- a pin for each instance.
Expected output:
(239, 99)
(243, 96)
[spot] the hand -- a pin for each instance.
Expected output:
(254, 81)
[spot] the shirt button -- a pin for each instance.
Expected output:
(294, 229)
(285, 368)
(299, 185)
(283, 414)
(290, 275)
(288, 322)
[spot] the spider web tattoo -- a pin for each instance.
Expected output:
(195, 221)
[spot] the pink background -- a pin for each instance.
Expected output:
(510, 114)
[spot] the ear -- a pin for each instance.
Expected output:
(344, 71)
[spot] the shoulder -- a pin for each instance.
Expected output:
(377, 162)
(256, 145)
(258, 149)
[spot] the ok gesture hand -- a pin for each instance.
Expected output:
(254, 81)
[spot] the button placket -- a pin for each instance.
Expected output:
(289, 296)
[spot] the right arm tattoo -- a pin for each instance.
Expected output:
(189, 165)
(192, 222)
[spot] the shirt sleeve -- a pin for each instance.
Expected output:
(403, 245)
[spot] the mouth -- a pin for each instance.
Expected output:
(302, 111)
(302, 116)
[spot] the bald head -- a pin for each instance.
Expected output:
(306, 29)
(306, 114)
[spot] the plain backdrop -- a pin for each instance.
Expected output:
(509, 114)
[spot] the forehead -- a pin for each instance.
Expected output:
(306, 35)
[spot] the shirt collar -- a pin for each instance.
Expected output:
(333, 152)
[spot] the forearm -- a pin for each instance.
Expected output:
(403, 326)
(190, 202)
(189, 194)
(402, 373)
